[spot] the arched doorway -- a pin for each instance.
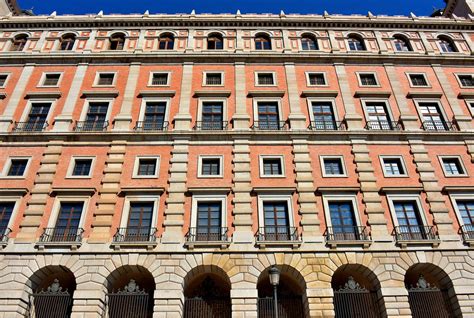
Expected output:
(430, 292)
(291, 294)
(52, 292)
(207, 293)
(357, 293)
(130, 293)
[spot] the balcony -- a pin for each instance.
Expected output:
(61, 236)
(383, 125)
(211, 125)
(27, 126)
(348, 235)
(322, 125)
(151, 126)
(135, 237)
(416, 235)
(439, 125)
(207, 236)
(4, 232)
(278, 235)
(86, 126)
(270, 125)
(467, 232)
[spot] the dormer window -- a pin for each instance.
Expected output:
(263, 42)
(356, 43)
(117, 42)
(67, 42)
(215, 42)
(309, 43)
(19, 43)
(166, 42)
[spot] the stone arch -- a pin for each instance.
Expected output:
(118, 278)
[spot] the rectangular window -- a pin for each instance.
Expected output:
(6, 211)
(418, 80)
(51, 79)
(3, 79)
(146, 167)
(96, 116)
(271, 166)
(209, 166)
(212, 117)
(105, 79)
(36, 120)
(276, 221)
(265, 79)
(213, 79)
(393, 167)
(17, 167)
(333, 166)
(154, 118)
(343, 221)
(68, 221)
(323, 115)
(466, 210)
(316, 79)
(431, 116)
(410, 224)
(82, 167)
(367, 79)
(452, 166)
(268, 116)
(139, 221)
(377, 116)
(209, 221)
(159, 79)
(466, 80)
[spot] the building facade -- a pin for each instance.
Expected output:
(160, 164)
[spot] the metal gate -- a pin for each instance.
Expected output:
(131, 302)
(287, 308)
(428, 301)
(355, 301)
(52, 303)
(202, 308)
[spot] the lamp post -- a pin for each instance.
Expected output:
(274, 275)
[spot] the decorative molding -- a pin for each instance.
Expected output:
(209, 189)
(428, 94)
(273, 189)
(155, 93)
(271, 93)
(103, 94)
(13, 191)
(55, 94)
(338, 189)
(136, 190)
(213, 93)
(74, 191)
(381, 94)
(400, 189)
(320, 93)
(466, 95)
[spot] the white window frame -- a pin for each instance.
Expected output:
(308, 83)
(53, 218)
(388, 109)
(97, 77)
(408, 74)
(222, 100)
(391, 198)
(16, 206)
(323, 168)
(368, 73)
(150, 78)
(98, 100)
(204, 78)
(468, 104)
(402, 163)
(72, 164)
(6, 80)
(272, 198)
(27, 109)
(257, 100)
(459, 196)
(136, 166)
(341, 198)
(208, 198)
(8, 165)
(221, 168)
(459, 80)
(417, 102)
(332, 100)
(43, 78)
(262, 170)
(257, 84)
(461, 164)
(140, 198)
(145, 100)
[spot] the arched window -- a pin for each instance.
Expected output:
(67, 42)
(446, 45)
(263, 42)
(19, 43)
(401, 44)
(166, 42)
(356, 43)
(309, 43)
(117, 42)
(215, 42)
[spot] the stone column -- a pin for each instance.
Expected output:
(123, 120)
(296, 117)
(244, 302)
(333, 41)
(63, 121)
(88, 301)
(34, 212)
(110, 187)
(353, 120)
(409, 120)
(240, 120)
(7, 117)
(426, 44)
(182, 121)
(395, 296)
(169, 303)
(320, 302)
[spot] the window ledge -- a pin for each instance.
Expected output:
(71, 245)
(155, 93)
(204, 244)
(404, 244)
(320, 93)
(213, 93)
(52, 94)
(425, 94)
(336, 243)
(468, 242)
(104, 94)
(148, 245)
(292, 244)
(373, 93)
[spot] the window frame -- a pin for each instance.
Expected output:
(308, 82)
(358, 37)
(442, 112)
(203, 100)
(145, 100)
(129, 199)
(72, 164)
(257, 84)
(196, 198)
(323, 167)
(444, 38)
(408, 74)
(16, 206)
(150, 78)
(459, 80)
(359, 79)
(61, 39)
(87, 103)
(8, 75)
(386, 102)
(391, 198)
(8, 165)
(257, 100)
(200, 174)
(262, 198)
(204, 78)
(30, 103)
(261, 159)
(42, 80)
(97, 79)
(470, 106)
(136, 167)
(461, 165)
(327, 198)
(453, 197)
(53, 218)
(332, 100)
(402, 163)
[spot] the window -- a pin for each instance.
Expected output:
(159, 79)
(265, 79)
(343, 221)
(3, 80)
(19, 43)
(410, 224)
(146, 167)
(401, 44)
(17, 167)
(276, 221)
(446, 45)
(309, 43)
(154, 116)
(67, 42)
(323, 115)
(96, 117)
(431, 116)
(417, 80)
(117, 42)
(68, 222)
(355, 43)
(51, 79)
(215, 42)
(367, 79)
(82, 167)
(6, 212)
(208, 218)
(166, 42)
(212, 116)
(393, 166)
(316, 79)
(263, 42)
(210, 166)
(213, 79)
(377, 116)
(271, 166)
(105, 79)
(138, 220)
(36, 120)
(333, 166)
(452, 166)
(465, 210)
(268, 116)
(465, 80)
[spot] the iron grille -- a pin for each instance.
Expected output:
(383, 125)
(207, 234)
(151, 125)
(327, 125)
(287, 307)
(129, 302)
(467, 232)
(354, 300)
(207, 308)
(27, 126)
(277, 233)
(54, 302)
(4, 232)
(429, 301)
(415, 233)
(270, 125)
(211, 125)
(135, 234)
(61, 234)
(91, 125)
(439, 125)
(347, 233)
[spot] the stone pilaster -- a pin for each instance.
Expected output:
(470, 43)
(34, 212)
(190, 41)
(428, 49)
(90, 42)
(333, 41)
(242, 186)
(123, 120)
(380, 42)
(244, 303)
(239, 47)
(320, 302)
(174, 212)
(168, 304)
(140, 42)
(396, 300)
(305, 188)
(40, 42)
(353, 120)
(240, 120)
(109, 189)
(88, 302)
(182, 121)
(296, 117)
(286, 41)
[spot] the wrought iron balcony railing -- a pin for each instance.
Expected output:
(91, 125)
(4, 232)
(27, 126)
(439, 125)
(151, 126)
(270, 125)
(135, 234)
(61, 235)
(415, 233)
(327, 125)
(383, 125)
(468, 232)
(211, 125)
(277, 233)
(207, 234)
(347, 233)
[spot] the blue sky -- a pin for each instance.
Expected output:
(389, 7)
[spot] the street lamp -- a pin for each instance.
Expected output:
(274, 275)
